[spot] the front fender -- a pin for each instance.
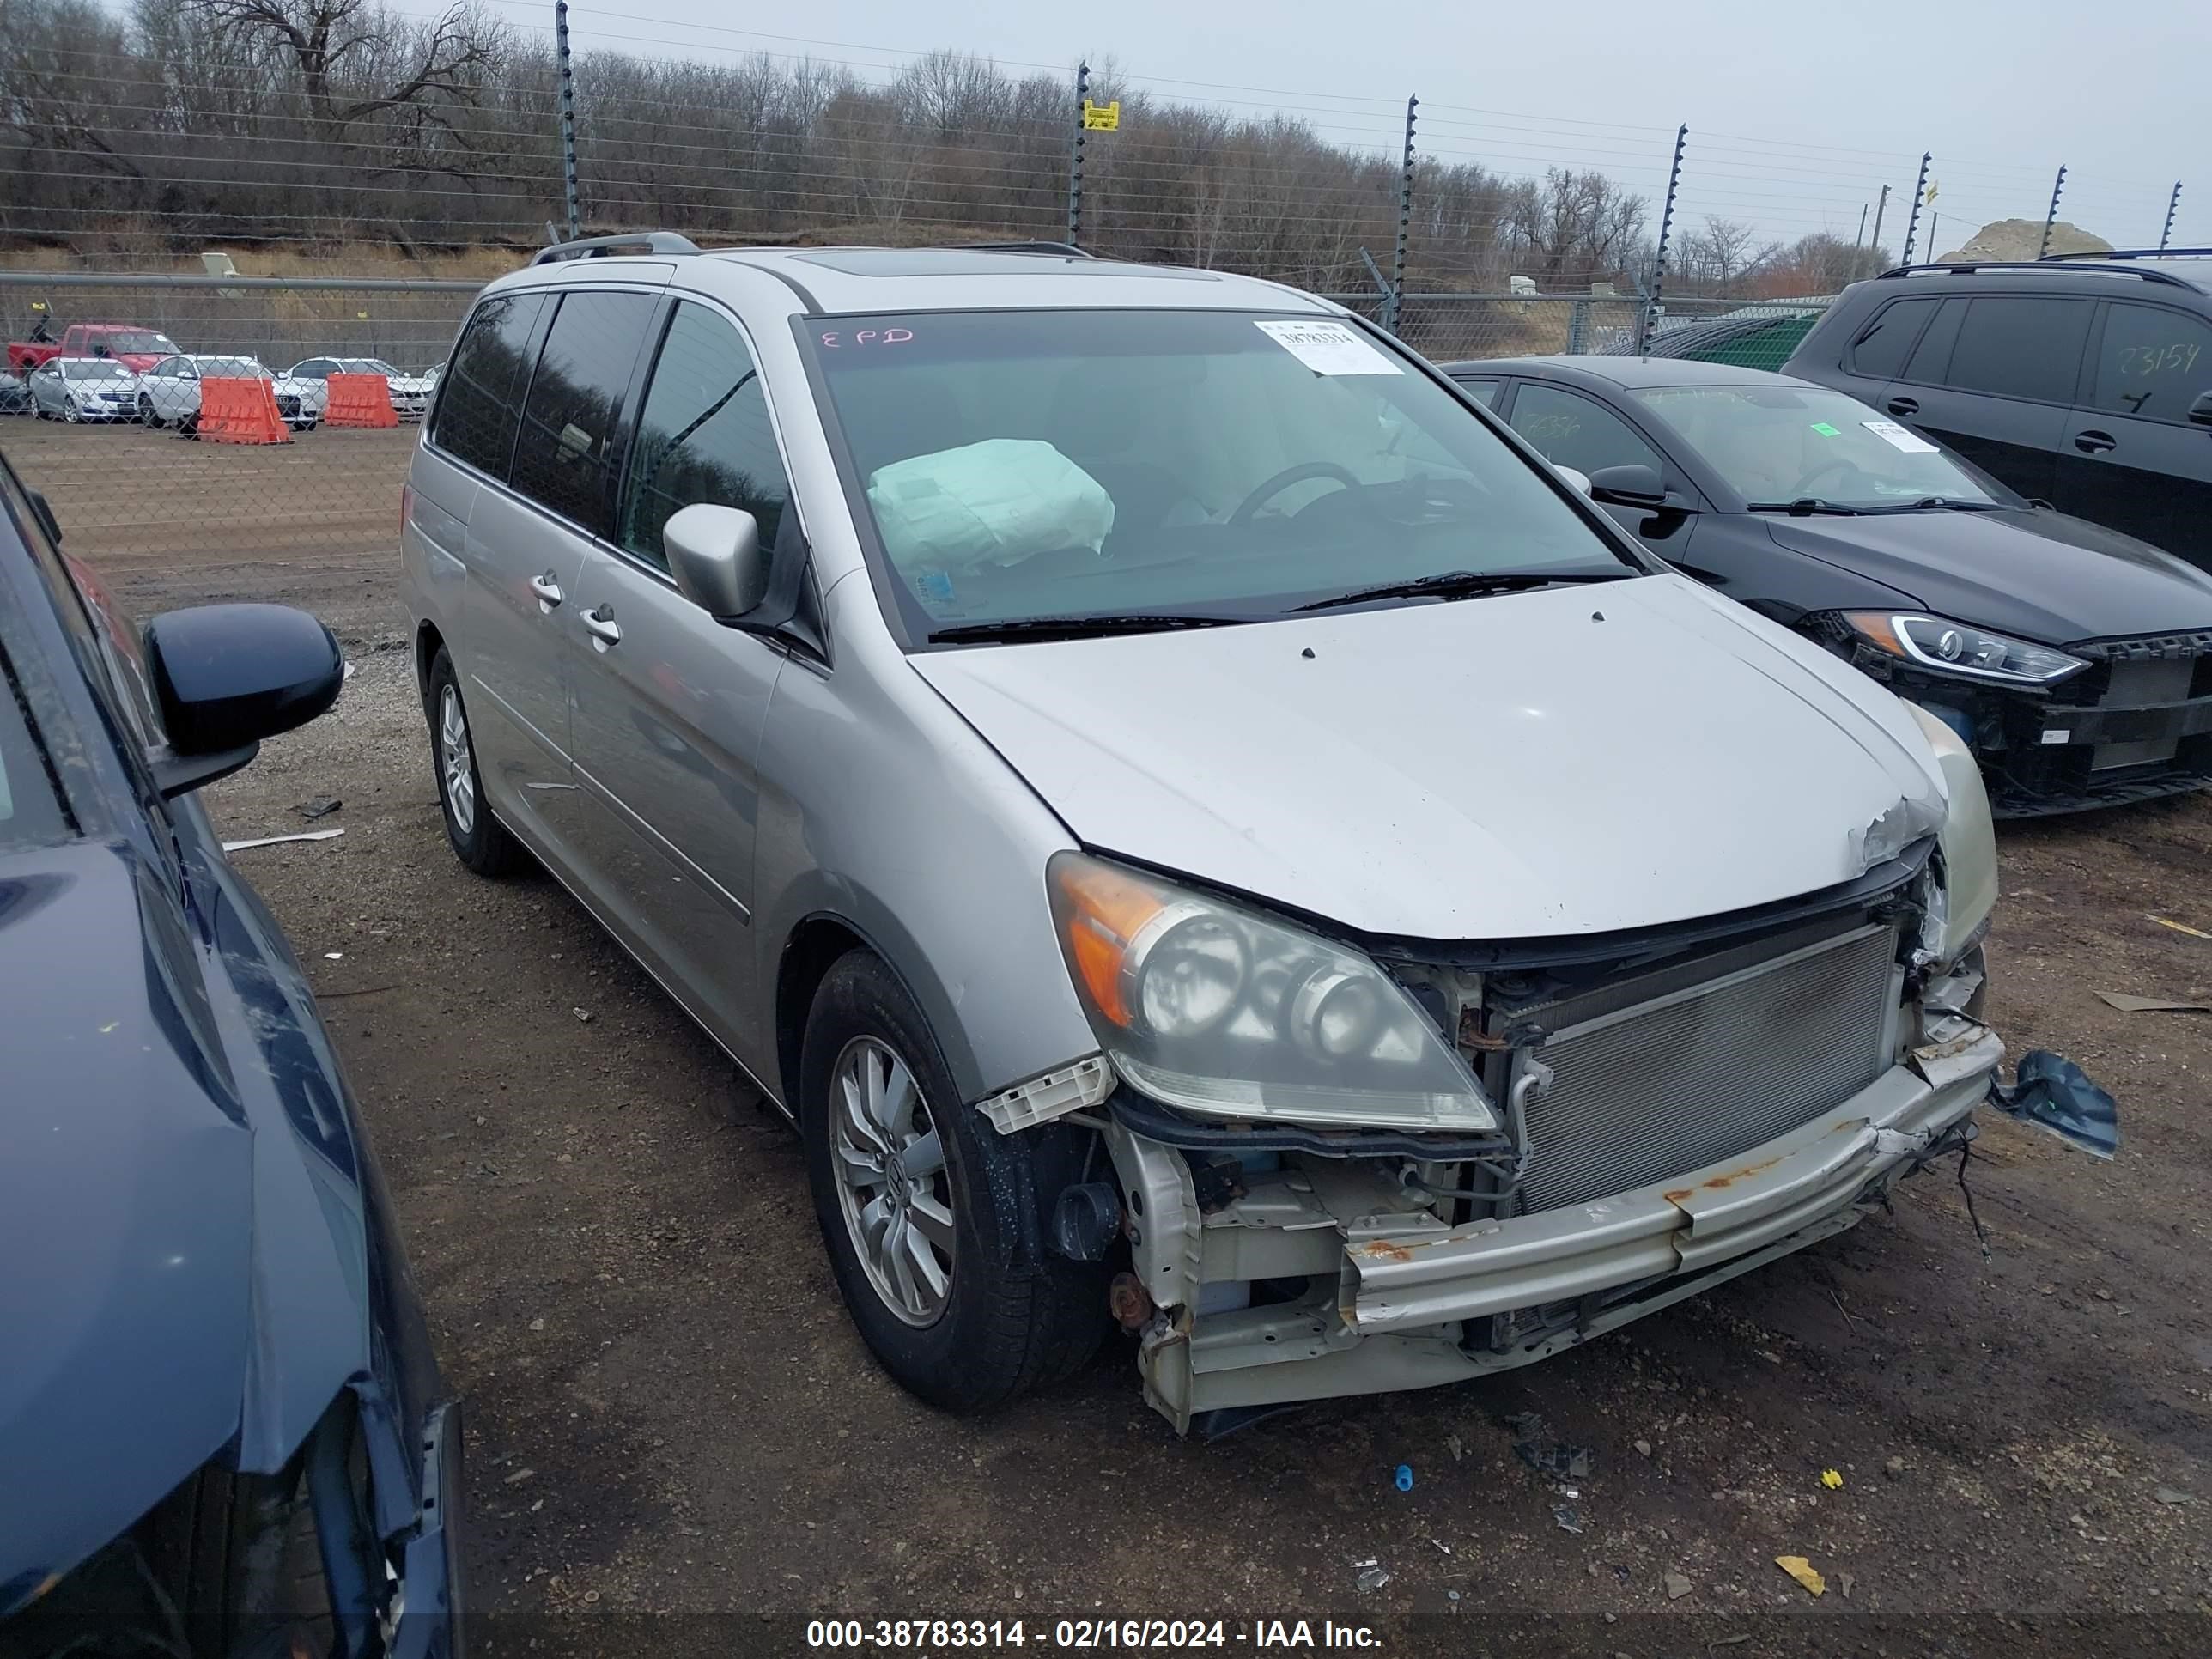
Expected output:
(882, 808)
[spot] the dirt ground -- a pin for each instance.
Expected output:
(677, 1442)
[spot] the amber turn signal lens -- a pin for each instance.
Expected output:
(1105, 910)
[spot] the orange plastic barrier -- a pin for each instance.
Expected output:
(240, 411)
(360, 400)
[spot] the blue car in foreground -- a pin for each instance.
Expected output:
(222, 1431)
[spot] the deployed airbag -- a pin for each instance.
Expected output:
(996, 502)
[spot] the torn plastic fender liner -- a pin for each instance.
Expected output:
(2056, 1097)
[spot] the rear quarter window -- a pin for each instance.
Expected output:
(1883, 345)
(481, 406)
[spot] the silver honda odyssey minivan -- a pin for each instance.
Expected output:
(1199, 825)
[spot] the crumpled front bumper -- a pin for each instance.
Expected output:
(1404, 1295)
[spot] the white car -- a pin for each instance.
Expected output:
(410, 393)
(76, 389)
(169, 393)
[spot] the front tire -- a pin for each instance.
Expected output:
(69, 416)
(478, 838)
(934, 1222)
(147, 418)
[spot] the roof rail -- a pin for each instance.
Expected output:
(1061, 250)
(2133, 253)
(599, 247)
(1966, 267)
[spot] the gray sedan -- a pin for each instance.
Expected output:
(75, 389)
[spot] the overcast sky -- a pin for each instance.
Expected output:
(1797, 113)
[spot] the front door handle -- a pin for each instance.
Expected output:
(2095, 443)
(548, 592)
(600, 624)
(1904, 406)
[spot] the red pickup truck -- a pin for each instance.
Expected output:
(136, 347)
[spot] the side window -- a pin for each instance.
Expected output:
(570, 446)
(2013, 346)
(1574, 431)
(316, 368)
(480, 409)
(2152, 363)
(108, 638)
(1879, 353)
(1483, 392)
(704, 435)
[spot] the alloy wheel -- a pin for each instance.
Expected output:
(456, 761)
(893, 1188)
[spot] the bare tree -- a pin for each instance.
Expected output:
(1578, 225)
(356, 59)
(1723, 253)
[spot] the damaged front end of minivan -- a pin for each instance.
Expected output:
(1437, 1161)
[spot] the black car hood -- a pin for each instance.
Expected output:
(2042, 576)
(182, 1279)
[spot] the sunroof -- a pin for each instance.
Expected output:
(966, 262)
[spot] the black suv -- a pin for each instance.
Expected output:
(2084, 381)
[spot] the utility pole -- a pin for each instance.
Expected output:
(2051, 218)
(1880, 208)
(1859, 241)
(568, 120)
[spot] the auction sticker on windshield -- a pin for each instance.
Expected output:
(1328, 347)
(1899, 437)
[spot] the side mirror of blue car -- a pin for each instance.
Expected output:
(226, 676)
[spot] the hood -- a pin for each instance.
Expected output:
(2044, 576)
(142, 1200)
(1556, 762)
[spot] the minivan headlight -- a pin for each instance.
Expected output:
(1215, 1009)
(1954, 647)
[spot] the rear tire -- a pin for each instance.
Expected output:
(478, 838)
(995, 1316)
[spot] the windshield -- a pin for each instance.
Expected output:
(1778, 444)
(138, 340)
(1045, 464)
(94, 368)
(232, 368)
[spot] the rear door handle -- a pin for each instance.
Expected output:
(548, 592)
(600, 624)
(1903, 406)
(2095, 443)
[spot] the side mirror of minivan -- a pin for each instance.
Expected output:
(1634, 485)
(2201, 410)
(715, 554)
(226, 676)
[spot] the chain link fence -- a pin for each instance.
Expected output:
(175, 517)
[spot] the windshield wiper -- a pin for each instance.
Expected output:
(1464, 584)
(1074, 628)
(1941, 503)
(1803, 506)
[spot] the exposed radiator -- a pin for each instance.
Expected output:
(1681, 1080)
